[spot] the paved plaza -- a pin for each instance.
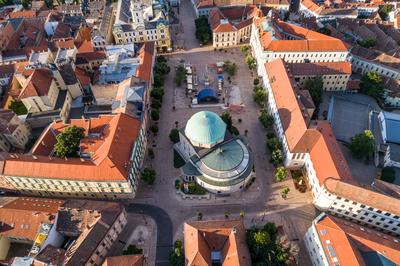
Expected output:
(262, 201)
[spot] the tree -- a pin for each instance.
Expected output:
(271, 229)
(174, 135)
(260, 95)
(245, 48)
(177, 256)
(266, 119)
(203, 30)
(251, 62)
(280, 173)
(315, 87)
(384, 11)
(157, 93)
(388, 174)
(180, 75)
(149, 175)
(367, 43)
(155, 103)
(155, 115)
(372, 85)
(68, 142)
(256, 81)
(226, 117)
(230, 68)
(274, 144)
(362, 144)
(277, 157)
(154, 128)
(18, 107)
(258, 241)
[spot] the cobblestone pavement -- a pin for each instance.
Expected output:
(262, 201)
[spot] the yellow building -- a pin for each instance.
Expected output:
(142, 21)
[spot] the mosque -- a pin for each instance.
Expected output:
(215, 159)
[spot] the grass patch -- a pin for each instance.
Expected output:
(178, 160)
(194, 189)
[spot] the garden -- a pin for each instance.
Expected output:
(269, 247)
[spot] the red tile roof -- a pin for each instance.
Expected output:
(109, 162)
(320, 68)
(146, 55)
(291, 116)
(128, 260)
(347, 240)
(310, 41)
(23, 217)
(38, 83)
(23, 14)
(227, 237)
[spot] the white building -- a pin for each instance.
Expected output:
(120, 64)
(312, 147)
(215, 159)
(143, 21)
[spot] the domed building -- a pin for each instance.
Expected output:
(215, 159)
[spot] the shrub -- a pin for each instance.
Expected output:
(256, 81)
(277, 157)
(177, 256)
(266, 119)
(154, 128)
(271, 135)
(280, 174)
(157, 93)
(274, 144)
(155, 115)
(155, 103)
(259, 95)
(174, 135)
(149, 175)
(177, 183)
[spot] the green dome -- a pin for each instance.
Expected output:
(205, 128)
(224, 158)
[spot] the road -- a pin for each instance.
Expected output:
(164, 229)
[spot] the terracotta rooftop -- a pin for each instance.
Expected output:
(146, 55)
(109, 162)
(291, 116)
(308, 40)
(128, 260)
(23, 217)
(327, 157)
(38, 83)
(234, 17)
(350, 243)
(320, 68)
(225, 240)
